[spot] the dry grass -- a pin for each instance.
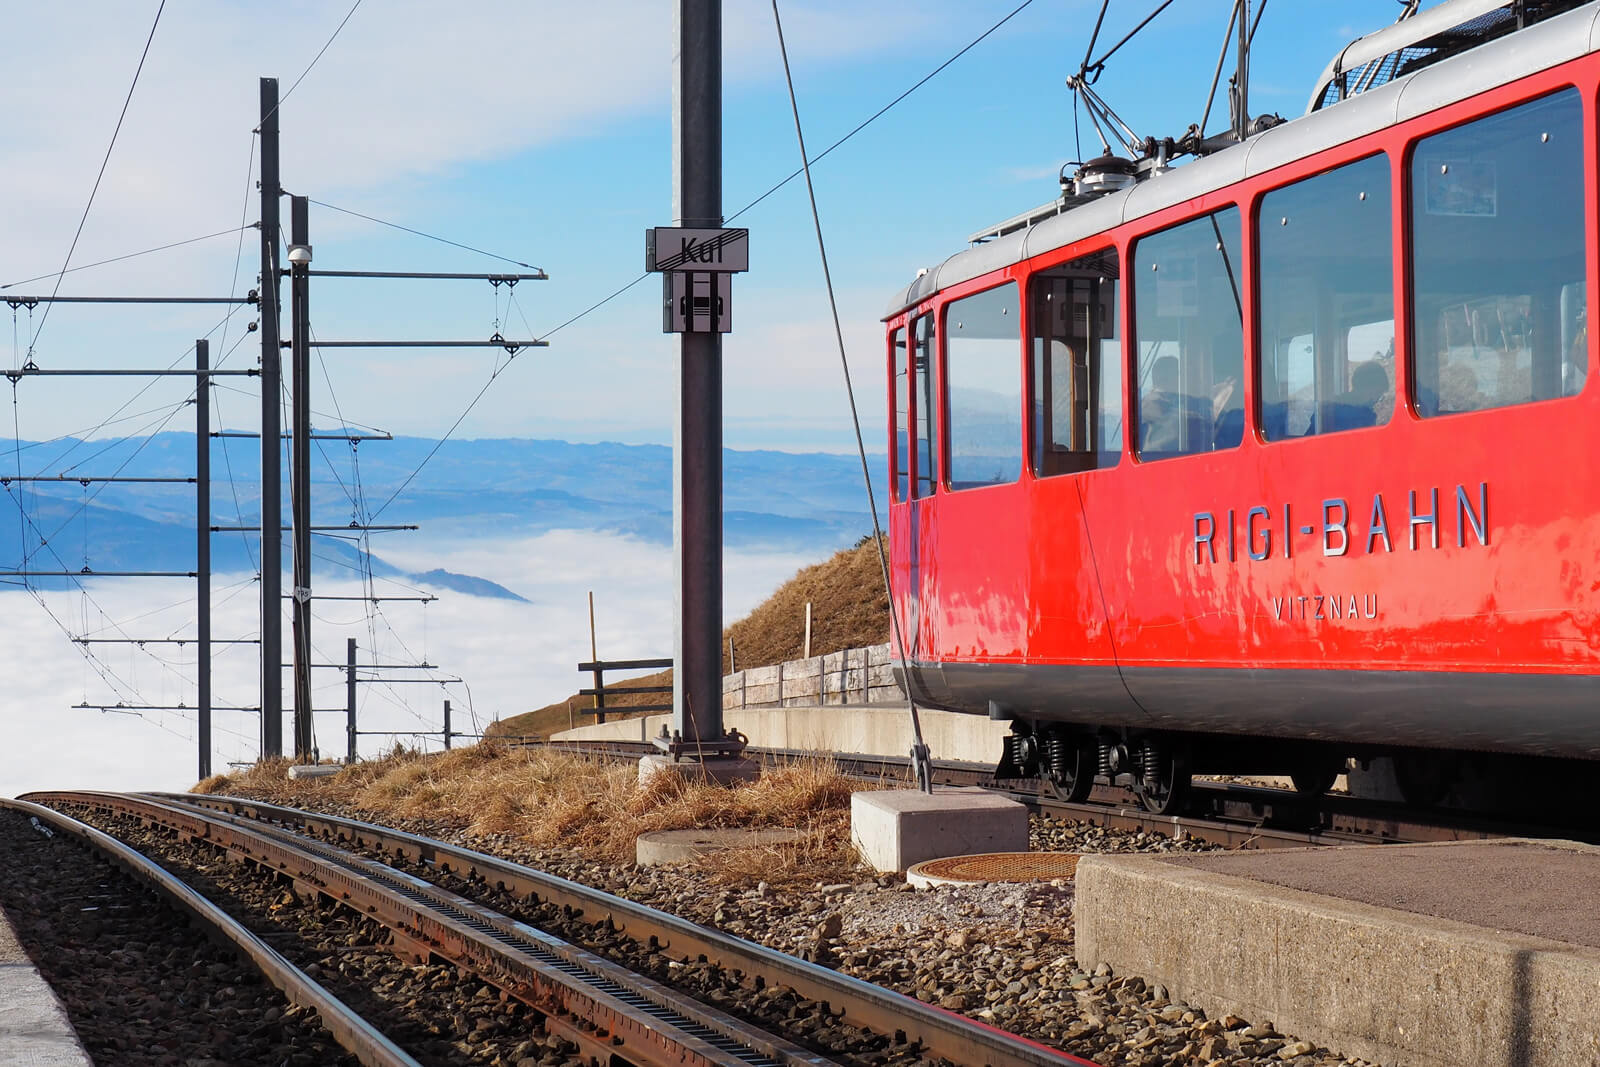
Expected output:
(849, 609)
(553, 799)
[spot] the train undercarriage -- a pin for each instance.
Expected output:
(1159, 767)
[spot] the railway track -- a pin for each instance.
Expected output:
(1228, 814)
(606, 1011)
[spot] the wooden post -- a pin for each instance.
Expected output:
(733, 664)
(807, 653)
(570, 723)
(594, 657)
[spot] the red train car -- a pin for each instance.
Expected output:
(1285, 455)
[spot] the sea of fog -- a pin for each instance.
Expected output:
(511, 656)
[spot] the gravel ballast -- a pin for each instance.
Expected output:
(141, 986)
(999, 953)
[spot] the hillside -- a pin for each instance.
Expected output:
(849, 609)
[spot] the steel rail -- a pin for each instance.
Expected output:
(353, 1033)
(606, 1010)
(939, 1033)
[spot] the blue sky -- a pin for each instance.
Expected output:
(543, 132)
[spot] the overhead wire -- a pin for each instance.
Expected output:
(33, 342)
(420, 233)
(119, 259)
(919, 749)
(597, 305)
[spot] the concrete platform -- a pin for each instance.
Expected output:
(34, 1031)
(1445, 954)
(896, 828)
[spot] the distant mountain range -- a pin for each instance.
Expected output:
(469, 489)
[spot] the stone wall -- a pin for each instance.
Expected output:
(854, 676)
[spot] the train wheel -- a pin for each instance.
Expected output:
(1163, 782)
(1069, 767)
(1314, 779)
(1425, 779)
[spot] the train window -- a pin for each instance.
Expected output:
(1189, 338)
(902, 415)
(1327, 302)
(1498, 271)
(983, 388)
(1077, 366)
(924, 476)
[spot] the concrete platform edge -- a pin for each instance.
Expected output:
(1372, 982)
(34, 1029)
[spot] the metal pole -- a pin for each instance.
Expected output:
(271, 447)
(1242, 120)
(350, 698)
(697, 459)
(300, 468)
(202, 548)
(447, 725)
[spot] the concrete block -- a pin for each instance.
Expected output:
(686, 846)
(761, 696)
(892, 829)
(762, 676)
(1386, 983)
(732, 683)
(835, 661)
(721, 771)
(877, 655)
(314, 770)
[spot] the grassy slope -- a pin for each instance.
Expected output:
(848, 610)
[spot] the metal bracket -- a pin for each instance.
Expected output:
(731, 745)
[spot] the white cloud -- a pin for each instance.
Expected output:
(514, 657)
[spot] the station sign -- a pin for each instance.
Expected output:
(695, 251)
(697, 268)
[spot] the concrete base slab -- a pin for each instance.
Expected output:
(1474, 952)
(684, 846)
(895, 828)
(719, 770)
(314, 770)
(34, 1031)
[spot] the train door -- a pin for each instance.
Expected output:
(1076, 444)
(923, 475)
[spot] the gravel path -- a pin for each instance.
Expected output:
(999, 953)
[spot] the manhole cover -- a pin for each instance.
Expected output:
(994, 867)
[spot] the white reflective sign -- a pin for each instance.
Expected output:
(672, 248)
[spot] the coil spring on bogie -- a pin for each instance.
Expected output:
(1103, 764)
(1054, 756)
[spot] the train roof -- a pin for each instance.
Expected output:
(1541, 46)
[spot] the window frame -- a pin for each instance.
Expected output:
(941, 348)
(1531, 90)
(1243, 202)
(1259, 343)
(1101, 245)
